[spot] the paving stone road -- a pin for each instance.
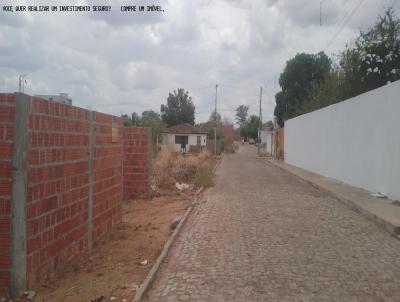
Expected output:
(265, 235)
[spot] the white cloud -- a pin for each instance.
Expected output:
(123, 62)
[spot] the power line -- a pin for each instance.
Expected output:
(346, 21)
(225, 109)
(394, 4)
(348, 8)
(239, 88)
(216, 95)
(203, 87)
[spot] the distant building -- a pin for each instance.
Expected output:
(184, 136)
(227, 131)
(61, 98)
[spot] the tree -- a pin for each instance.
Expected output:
(298, 80)
(215, 118)
(326, 94)
(281, 110)
(132, 120)
(127, 121)
(209, 126)
(375, 60)
(242, 114)
(179, 108)
(253, 126)
(244, 131)
(152, 120)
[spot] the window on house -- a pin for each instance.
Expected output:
(181, 138)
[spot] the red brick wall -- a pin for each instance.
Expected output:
(107, 167)
(59, 181)
(57, 204)
(7, 115)
(227, 131)
(136, 162)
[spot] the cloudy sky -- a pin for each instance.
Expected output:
(123, 62)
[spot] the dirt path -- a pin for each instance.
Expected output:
(114, 269)
(264, 235)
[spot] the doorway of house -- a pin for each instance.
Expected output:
(182, 140)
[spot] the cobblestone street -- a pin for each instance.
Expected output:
(261, 234)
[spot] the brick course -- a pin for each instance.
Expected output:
(136, 163)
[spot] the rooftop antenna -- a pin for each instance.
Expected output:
(22, 82)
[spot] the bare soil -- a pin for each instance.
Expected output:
(113, 269)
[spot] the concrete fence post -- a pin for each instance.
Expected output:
(18, 255)
(90, 175)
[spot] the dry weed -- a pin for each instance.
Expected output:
(170, 168)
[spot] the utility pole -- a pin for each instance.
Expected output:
(260, 124)
(215, 117)
(216, 94)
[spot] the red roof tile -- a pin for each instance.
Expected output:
(185, 129)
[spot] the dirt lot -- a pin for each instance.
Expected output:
(114, 269)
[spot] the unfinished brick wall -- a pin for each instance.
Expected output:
(137, 169)
(57, 205)
(7, 116)
(74, 182)
(107, 168)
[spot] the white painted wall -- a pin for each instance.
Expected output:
(266, 137)
(356, 141)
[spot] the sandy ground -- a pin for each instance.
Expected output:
(113, 270)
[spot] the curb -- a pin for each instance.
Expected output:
(218, 163)
(167, 247)
(387, 226)
(153, 272)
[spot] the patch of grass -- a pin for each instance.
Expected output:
(204, 177)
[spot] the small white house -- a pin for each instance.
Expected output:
(184, 135)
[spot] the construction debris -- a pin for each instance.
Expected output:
(144, 262)
(181, 186)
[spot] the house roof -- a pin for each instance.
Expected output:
(185, 129)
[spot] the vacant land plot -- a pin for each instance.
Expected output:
(114, 267)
